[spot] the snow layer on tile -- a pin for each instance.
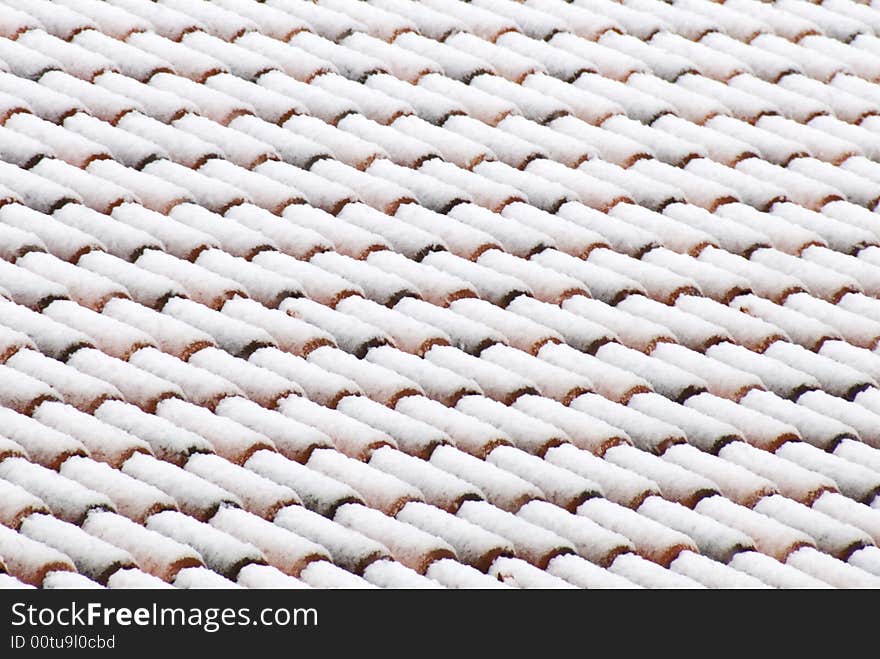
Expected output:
(464, 294)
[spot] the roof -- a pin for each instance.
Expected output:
(439, 294)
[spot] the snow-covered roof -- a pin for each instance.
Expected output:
(386, 293)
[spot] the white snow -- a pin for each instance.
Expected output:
(194, 496)
(221, 552)
(94, 558)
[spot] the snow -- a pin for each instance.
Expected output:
(379, 286)
(111, 336)
(773, 573)
(530, 542)
(646, 432)
(221, 552)
(747, 331)
(62, 241)
(670, 150)
(155, 553)
(103, 442)
(702, 431)
(166, 441)
(561, 487)
(584, 431)
(409, 545)
(77, 389)
(858, 452)
(508, 148)
(521, 332)
(620, 485)
(51, 338)
(857, 330)
(846, 510)
(390, 574)
(235, 336)
(264, 286)
(467, 433)
(259, 495)
(583, 574)
(232, 440)
(440, 488)
(675, 235)
(291, 239)
(379, 383)
(134, 578)
(413, 437)
(200, 578)
(348, 239)
(455, 149)
(462, 239)
(714, 539)
(352, 437)
(437, 287)
(474, 545)
(17, 503)
(866, 559)
(667, 380)
(467, 335)
(546, 285)
(855, 481)
(283, 549)
(29, 560)
(552, 381)
(195, 496)
(200, 386)
(379, 489)
(691, 330)
(526, 433)
(322, 574)
(23, 393)
(182, 147)
(735, 482)
(611, 382)
(318, 492)
(426, 190)
(661, 284)
(213, 198)
(133, 498)
(721, 380)
(294, 440)
(172, 336)
(650, 575)
(676, 483)
(495, 381)
(136, 385)
(318, 384)
(779, 378)
(259, 384)
(516, 573)
(831, 570)
(591, 541)
(266, 576)
(409, 240)
(94, 558)
(633, 331)
(409, 335)
(835, 378)
(452, 574)
(177, 238)
(32, 289)
(713, 574)
(502, 488)
(41, 444)
(791, 480)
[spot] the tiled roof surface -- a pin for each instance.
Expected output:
(415, 294)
